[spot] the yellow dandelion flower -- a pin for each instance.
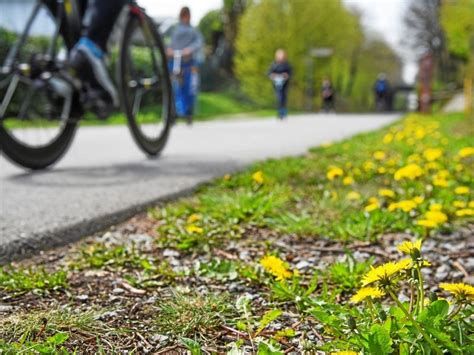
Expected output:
(348, 180)
(440, 181)
(193, 218)
(461, 190)
(466, 152)
(409, 247)
(374, 200)
(276, 267)
(443, 173)
(388, 138)
(386, 272)
(365, 292)
(436, 207)
(459, 204)
(353, 196)
(432, 165)
(418, 199)
(258, 177)
(379, 155)
(471, 204)
(227, 177)
(432, 154)
(436, 216)
(414, 158)
(371, 207)
(404, 205)
(465, 212)
(387, 193)
(381, 170)
(334, 172)
(368, 165)
(459, 290)
(410, 171)
(193, 229)
(427, 223)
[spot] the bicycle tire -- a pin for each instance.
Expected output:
(41, 157)
(37, 158)
(151, 147)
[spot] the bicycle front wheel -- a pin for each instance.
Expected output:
(144, 84)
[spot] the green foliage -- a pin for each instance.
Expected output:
(21, 279)
(188, 315)
(458, 22)
(210, 24)
(46, 332)
(291, 24)
(100, 255)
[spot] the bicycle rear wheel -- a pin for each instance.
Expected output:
(144, 84)
(35, 101)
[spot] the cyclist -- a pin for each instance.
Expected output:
(280, 74)
(88, 54)
(187, 42)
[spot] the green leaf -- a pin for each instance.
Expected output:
(268, 349)
(285, 333)
(379, 340)
(192, 346)
(267, 318)
(434, 313)
(58, 339)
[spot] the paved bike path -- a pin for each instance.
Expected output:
(104, 178)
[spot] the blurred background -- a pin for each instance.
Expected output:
(423, 46)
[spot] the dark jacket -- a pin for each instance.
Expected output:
(280, 68)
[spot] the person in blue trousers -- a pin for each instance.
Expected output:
(280, 74)
(183, 53)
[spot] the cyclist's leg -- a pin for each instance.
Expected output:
(88, 54)
(64, 29)
(99, 20)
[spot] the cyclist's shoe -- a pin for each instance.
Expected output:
(87, 59)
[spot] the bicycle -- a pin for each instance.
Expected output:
(41, 99)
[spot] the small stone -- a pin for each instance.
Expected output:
(82, 298)
(170, 253)
(469, 280)
(4, 308)
(303, 264)
(158, 338)
(441, 272)
(118, 291)
(110, 314)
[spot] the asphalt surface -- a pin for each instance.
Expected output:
(104, 178)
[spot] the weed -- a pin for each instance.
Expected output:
(28, 279)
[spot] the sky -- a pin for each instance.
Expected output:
(382, 16)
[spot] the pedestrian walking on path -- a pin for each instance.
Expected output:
(280, 74)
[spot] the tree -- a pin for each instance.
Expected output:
(211, 26)
(458, 23)
(298, 26)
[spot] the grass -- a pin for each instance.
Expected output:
(187, 315)
(28, 279)
(46, 332)
(268, 260)
(210, 106)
